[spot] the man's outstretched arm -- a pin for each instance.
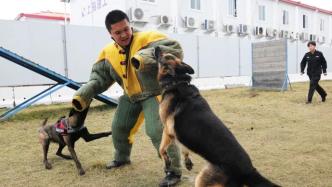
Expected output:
(100, 80)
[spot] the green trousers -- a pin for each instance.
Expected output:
(128, 118)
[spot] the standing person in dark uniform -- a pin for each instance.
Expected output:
(316, 65)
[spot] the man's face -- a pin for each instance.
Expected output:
(312, 48)
(121, 33)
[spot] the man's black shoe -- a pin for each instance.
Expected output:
(308, 102)
(171, 179)
(116, 164)
(324, 98)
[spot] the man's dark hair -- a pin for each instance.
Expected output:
(113, 17)
(311, 43)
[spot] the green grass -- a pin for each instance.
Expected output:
(289, 142)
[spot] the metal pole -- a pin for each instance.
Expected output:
(239, 50)
(64, 35)
(198, 60)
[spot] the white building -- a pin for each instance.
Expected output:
(256, 19)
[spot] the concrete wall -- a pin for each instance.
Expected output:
(39, 42)
(83, 47)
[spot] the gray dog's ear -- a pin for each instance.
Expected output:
(157, 53)
(184, 68)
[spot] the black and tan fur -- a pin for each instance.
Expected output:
(188, 118)
(48, 134)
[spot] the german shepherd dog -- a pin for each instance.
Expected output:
(188, 118)
(66, 132)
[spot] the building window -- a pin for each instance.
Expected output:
(195, 4)
(151, 1)
(321, 26)
(232, 7)
(285, 17)
(305, 21)
(261, 13)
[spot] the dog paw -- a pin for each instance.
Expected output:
(189, 164)
(81, 172)
(48, 165)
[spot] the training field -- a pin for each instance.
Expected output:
(289, 142)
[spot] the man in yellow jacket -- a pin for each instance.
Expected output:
(130, 62)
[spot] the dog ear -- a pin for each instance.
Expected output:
(170, 70)
(157, 54)
(185, 68)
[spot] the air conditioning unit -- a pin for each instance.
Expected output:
(137, 15)
(229, 29)
(318, 39)
(283, 34)
(190, 22)
(275, 33)
(304, 36)
(259, 31)
(312, 37)
(242, 29)
(269, 33)
(209, 25)
(294, 36)
(165, 20)
(321, 39)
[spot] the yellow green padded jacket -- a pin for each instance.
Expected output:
(135, 70)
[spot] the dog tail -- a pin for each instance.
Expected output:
(255, 179)
(44, 122)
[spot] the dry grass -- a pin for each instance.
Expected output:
(288, 141)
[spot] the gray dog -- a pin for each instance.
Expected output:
(66, 132)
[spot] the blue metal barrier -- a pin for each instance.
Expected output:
(60, 79)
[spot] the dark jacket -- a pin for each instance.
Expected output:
(316, 63)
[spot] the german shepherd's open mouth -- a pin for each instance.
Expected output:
(188, 118)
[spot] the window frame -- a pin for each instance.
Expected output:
(197, 5)
(261, 12)
(322, 25)
(233, 8)
(285, 17)
(305, 21)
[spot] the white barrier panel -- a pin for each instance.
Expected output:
(39, 42)
(270, 65)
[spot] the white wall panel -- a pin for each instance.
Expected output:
(39, 42)
(83, 47)
(218, 56)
